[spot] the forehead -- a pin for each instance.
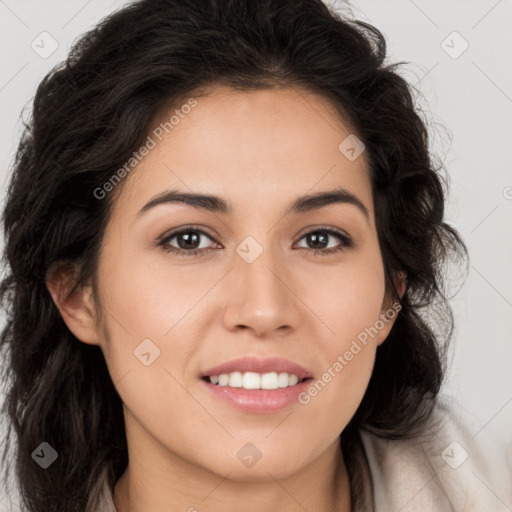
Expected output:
(259, 149)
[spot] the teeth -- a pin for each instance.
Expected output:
(252, 380)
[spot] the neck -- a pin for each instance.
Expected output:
(322, 485)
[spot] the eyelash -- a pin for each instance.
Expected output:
(346, 242)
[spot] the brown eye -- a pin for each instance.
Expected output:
(188, 242)
(318, 240)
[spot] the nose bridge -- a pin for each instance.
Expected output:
(258, 267)
(261, 300)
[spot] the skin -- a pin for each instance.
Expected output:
(259, 151)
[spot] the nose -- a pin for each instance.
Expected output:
(261, 297)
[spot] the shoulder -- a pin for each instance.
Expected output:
(455, 466)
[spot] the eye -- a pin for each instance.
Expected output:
(189, 240)
(320, 237)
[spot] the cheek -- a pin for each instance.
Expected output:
(150, 298)
(146, 312)
(346, 298)
(349, 305)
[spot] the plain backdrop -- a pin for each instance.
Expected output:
(458, 55)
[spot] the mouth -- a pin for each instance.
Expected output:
(256, 399)
(254, 385)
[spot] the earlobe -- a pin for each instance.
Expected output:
(76, 307)
(401, 283)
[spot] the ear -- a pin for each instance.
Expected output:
(77, 308)
(391, 307)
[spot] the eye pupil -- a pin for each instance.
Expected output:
(191, 238)
(314, 237)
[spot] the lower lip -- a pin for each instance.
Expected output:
(258, 400)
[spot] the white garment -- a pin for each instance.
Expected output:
(453, 467)
(457, 466)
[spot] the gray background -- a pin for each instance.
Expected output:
(467, 99)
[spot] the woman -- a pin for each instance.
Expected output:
(222, 229)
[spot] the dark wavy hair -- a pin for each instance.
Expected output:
(91, 112)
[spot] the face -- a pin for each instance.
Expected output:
(184, 289)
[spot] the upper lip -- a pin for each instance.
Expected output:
(253, 364)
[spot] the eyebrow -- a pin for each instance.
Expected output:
(216, 204)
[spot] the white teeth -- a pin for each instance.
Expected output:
(282, 380)
(270, 381)
(253, 380)
(235, 380)
(250, 380)
(293, 380)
